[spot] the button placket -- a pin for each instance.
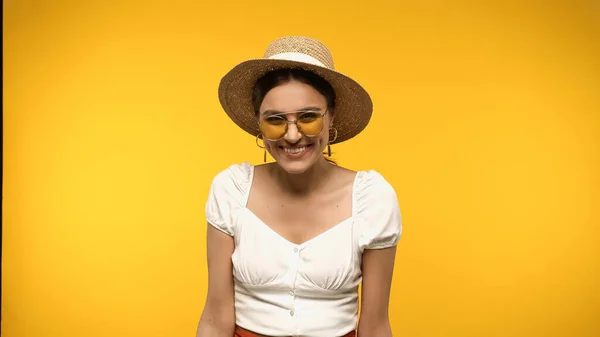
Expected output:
(295, 260)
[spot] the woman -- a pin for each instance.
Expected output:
(289, 242)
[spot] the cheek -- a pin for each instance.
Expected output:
(271, 146)
(324, 138)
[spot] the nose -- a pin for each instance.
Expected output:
(292, 135)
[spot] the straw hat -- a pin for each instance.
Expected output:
(353, 104)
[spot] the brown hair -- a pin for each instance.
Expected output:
(281, 76)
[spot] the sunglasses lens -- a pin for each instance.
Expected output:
(273, 127)
(311, 123)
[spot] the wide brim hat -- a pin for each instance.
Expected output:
(353, 105)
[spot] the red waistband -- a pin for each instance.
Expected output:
(240, 332)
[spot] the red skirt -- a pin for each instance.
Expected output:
(240, 332)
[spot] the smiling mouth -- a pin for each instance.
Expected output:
(295, 150)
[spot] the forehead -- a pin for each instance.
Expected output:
(292, 96)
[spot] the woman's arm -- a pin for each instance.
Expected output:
(377, 267)
(218, 317)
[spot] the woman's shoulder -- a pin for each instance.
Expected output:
(366, 181)
(377, 205)
(372, 180)
(372, 188)
(227, 196)
(235, 175)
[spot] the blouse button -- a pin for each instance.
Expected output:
(292, 313)
(295, 249)
(292, 293)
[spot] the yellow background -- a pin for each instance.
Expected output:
(487, 123)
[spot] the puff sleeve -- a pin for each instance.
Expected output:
(227, 197)
(379, 213)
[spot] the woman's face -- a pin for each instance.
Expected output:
(296, 152)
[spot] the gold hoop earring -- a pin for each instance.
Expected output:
(262, 147)
(335, 135)
(259, 136)
(331, 141)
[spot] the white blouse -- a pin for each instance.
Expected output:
(311, 289)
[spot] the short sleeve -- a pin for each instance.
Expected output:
(378, 211)
(227, 197)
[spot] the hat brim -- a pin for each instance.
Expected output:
(354, 106)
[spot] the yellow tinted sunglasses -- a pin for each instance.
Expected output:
(309, 123)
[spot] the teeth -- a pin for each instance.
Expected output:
(296, 150)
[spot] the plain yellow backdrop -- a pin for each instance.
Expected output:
(486, 122)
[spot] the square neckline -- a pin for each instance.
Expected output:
(314, 238)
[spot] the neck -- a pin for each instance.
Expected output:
(305, 182)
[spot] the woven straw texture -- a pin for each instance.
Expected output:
(353, 104)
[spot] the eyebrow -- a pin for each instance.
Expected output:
(276, 112)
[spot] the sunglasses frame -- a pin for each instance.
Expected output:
(299, 112)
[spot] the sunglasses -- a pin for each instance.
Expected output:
(309, 123)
